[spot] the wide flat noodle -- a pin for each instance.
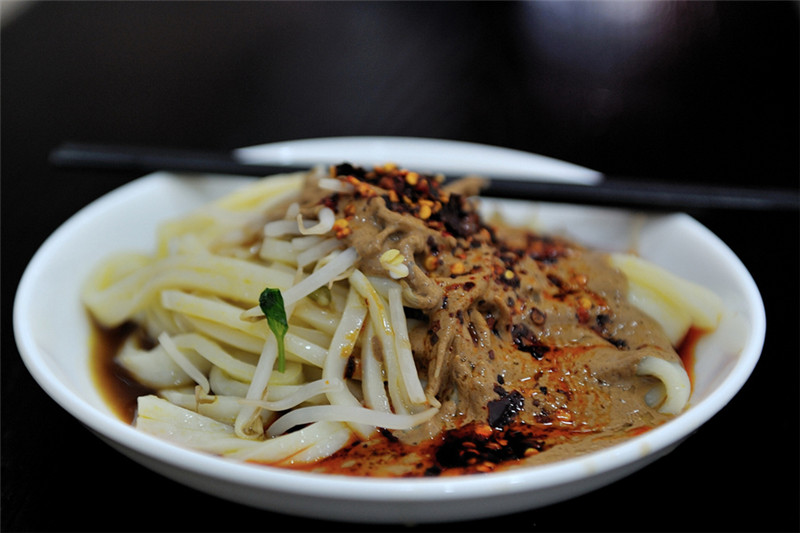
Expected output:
(354, 361)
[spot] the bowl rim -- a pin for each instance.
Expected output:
(522, 479)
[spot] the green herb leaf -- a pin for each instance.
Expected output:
(271, 303)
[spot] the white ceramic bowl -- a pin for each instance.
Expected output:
(52, 333)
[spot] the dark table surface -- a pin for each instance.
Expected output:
(688, 92)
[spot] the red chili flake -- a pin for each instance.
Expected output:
(473, 333)
(538, 316)
(490, 321)
(525, 341)
(350, 367)
(503, 410)
(478, 446)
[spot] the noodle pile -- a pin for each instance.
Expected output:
(348, 366)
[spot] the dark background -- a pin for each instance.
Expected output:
(683, 91)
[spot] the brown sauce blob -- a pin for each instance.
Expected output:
(117, 387)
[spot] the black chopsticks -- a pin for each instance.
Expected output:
(610, 192)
